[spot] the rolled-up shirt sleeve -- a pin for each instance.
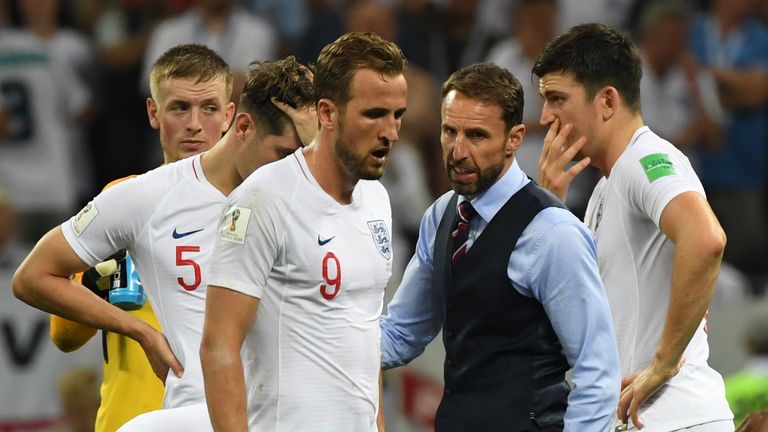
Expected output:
(414, 316)
(558, 267)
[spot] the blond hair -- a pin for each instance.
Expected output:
(190, 61)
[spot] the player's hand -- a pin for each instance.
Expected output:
(755, 422)
(635, 389)
(555, 157)
(160, 355)
(304, 118)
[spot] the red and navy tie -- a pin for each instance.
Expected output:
(461, 233)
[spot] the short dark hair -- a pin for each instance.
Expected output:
(189, 61)
(596, 56)
(286, 80)
(339, 60)
(489, 83)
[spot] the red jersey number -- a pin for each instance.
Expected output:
(181, 261)
(334, 281)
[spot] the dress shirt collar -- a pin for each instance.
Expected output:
(488, 203)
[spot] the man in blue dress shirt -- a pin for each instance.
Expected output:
(510, 276)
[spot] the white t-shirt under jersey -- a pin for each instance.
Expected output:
(636, 260)
(312, 355)
(167, 220)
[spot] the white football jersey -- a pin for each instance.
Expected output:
(39, 99)
(312, 355)
(636, 261)
(167, 220)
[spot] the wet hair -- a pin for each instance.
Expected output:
(596, 56)
(192, 62)
(286, 80)
(339, 60)
(492, 84)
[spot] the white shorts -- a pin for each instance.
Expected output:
(192, 418)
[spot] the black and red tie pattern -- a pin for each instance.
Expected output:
(461, 233)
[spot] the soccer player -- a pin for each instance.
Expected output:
(659, 244)
(167, 219)
(191, 87)
(305, 242)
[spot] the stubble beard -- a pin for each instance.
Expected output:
(352, 163)
(485, 178)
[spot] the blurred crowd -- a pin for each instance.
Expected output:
(73, 88)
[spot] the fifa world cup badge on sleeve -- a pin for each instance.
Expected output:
(84, 218)
(657, 165)
(235, 224)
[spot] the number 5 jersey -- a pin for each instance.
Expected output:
(166, 219)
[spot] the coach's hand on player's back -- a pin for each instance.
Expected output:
(159, 353)
(554, 174)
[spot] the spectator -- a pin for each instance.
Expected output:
(734, 46)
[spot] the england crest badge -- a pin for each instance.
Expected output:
(381, 237)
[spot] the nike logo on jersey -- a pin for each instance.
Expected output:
(321, 242)
(178, 235)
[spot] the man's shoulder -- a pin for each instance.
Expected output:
(156, 183)
(556, 217)
(12, 39)
(270, 181)
(650, 154)
(438, 207)
(118, 181)
(278, 171)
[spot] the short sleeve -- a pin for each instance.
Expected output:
(110, 222)
(248, 242)
(650, 179)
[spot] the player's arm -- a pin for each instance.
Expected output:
(565, 278)
(380, 418)
(414, 316)
(699, 243)
(69, 335)
(228, 317)
(42, 281)
(742, 89)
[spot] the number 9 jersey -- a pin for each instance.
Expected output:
(166, 219)
(311, 358)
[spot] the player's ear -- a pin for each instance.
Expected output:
(244, 124)
(228, 115)
(152, 113)
(327, 113)
(609, 100)
(514, 140)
